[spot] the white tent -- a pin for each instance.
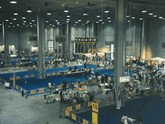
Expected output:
(157, 59)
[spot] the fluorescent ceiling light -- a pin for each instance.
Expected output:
(100, 20)
(79, 20)
(48, 13)
(76, 22)
(46, 21)
(109, 21)
(144, 10)
(11, 23)
(108, 17)
(0, 7)
(14, 18)
(106, 11)
(85, 13)
(160, 17)
(24, 21)
(13, 1)
(9, 26)
(23, 17)
(98, 16)
(140, 18)
(97, 22)
(87, 21)
(33, 20)
(68, 19)
(128, 21)
(68, 16)
(103, 22)
(56, 20)
(133, 17)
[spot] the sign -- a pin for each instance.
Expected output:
(85, 121)
(32, 75)
(58, 73)
(69, 108)
(74, 117)
(48, 89)
(59, 87)
(41, 90)
(94, 118)
(95, 107)
(98, 101)
(89, 103)
(18, 77)
(11, 78)
(48, 74)
(108, 99)
(33, 91)
(26, 76)
(124, 79)
(78, 106)
(53, 73)
(67, 113)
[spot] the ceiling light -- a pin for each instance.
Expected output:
(97, 22)
(128, 21)
(98, 16)
(76, 22)
(160, 17)
(66, 10)
(127, 15)
(103, 22)
(154, 15)
(24, 21)
(46, 21)
(133, 17)
(9, 26)
(17, 25)
(13, 1)
(33, 20)
(109, 21)
(68, 16)
(23, 17)
(150, 13)
(144, 11)
(13, 26)
(140, 18)
(30, 23)
(22, 26)
(56, 20)
(163, 18)
(85, 13)
(68, 19)
(79, 20)
(48, 13)
(25, 26)
(53, 25)
(0, 7)
(35, 24)
(0, 24)
(82, 23)
(15, 13)
(106, 10)
(48, 26)
(100, 20)
(11, 23)
(87, 21)
(108, 17)
(14, 19)
(29, 10)
(7, 20)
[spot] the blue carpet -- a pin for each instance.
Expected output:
(152, 109)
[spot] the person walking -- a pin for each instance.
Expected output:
(139, 117)
(72, 84)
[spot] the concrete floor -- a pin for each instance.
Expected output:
(16, 109)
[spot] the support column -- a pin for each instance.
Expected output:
(119, 52)
(40, 39)
(67, 39)
(5, 42)
(143, 40)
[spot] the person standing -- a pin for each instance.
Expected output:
(72, 84)
(78, 81)
(106, 77)
(96, 74)
(84, 64)
(139, 117)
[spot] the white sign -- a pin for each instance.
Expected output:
(124, 79)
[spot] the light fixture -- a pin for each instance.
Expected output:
(46, 21)
(150, 13)
(82, 23)
(0, 24)
(17, 25)
(163, 18)
(24, 21)
(25, 26)
(140, 18)
(14, 19)
(56, 20)
(144, 10)
(11, 23)
(160, 17)
(28, 42)
(128, 21)
(106, 10)
(68, 19)
(85, 13)
(76, 22)
(79, 20)
(13, 26)
(53, 25)
(15, 13)
(9, 26)
(108, 17)
(97, 22)
(109, 21)
(87, 21)
(68, 16)
(98, 16)
(66, 10)
(23, 17)
(48, 13)
(100, 20)
(33, 20)
(13, 1)
(154, 15)
(7, 20)
(30, 23)
(0, 7)
(29, 10)
(133, 17)
(127, 15)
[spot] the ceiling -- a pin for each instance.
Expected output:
(76, 9)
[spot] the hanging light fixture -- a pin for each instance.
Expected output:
(144, 10)
(106, 10)
(23, 17)
(29, 10)
(133, 17)
(66, 10)
(14, 18)
(109, 21)
(154, 15)
(160, 17)
(108, 17)
(33, 20)
(140, 18)
(85, 13)
(79, 20)
(98, 16)
(150, 13)
(127, 15)
(15, 13)
(13, 1)
(68, 16)
(0, 7)
(48, 13)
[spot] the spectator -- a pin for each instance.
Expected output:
(139, 117)
(72, 84)
(78, 81)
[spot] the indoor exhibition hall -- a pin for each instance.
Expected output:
(82, 62)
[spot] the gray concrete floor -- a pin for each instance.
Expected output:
(16, 109)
